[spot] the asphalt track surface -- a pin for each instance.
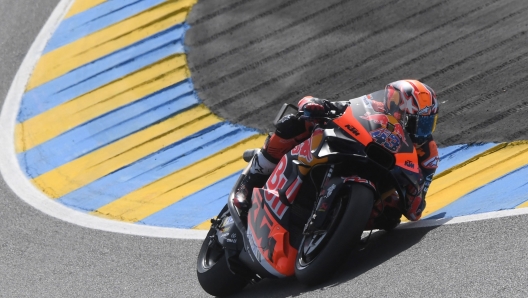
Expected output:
(41, 256)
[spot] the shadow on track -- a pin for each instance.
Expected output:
(382, 246)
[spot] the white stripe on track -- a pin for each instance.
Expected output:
(465, 218)
(22, 186)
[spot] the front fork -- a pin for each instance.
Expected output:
(325, 199)
(330, 188)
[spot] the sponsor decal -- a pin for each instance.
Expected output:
(409, 164)
(352, 129)
(256, 165)
(260, 226)
(274, 203)
(285, 118)
(330, 190)
(366, 101)
(303, 150)
(232, 238)
(276, 182)
(431, 163)
(358, 180)
(229, 220)
(277, 178)
(291, 192)
(428, 180)
(385, 138)
(330, 171)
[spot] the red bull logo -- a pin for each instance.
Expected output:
(381, 119)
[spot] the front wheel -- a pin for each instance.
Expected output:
(213, 271)
(320, 254)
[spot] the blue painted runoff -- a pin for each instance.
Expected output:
(454, 155)
(506, 192)
(101, 72)
(195, 209)
(108, 128)
(156, 166)
(95, 19)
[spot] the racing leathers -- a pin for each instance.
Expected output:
(292, 130)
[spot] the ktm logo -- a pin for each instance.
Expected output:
(409, 164)
(353, 129)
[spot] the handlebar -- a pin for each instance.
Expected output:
(330, 115)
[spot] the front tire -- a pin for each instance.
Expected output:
(320, 254)
(213, 271)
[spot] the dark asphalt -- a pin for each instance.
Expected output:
(248, 60)
(250, 56)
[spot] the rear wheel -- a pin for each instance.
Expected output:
(213, 271)
(320, 254)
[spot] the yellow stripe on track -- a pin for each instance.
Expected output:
(106, 41)
(453, 183)
(99, 163)
(524, 205)
(206, 225)
(463, 179)
(82, 5)
(68, 115)
(178, 185)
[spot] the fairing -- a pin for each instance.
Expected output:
(360, 127)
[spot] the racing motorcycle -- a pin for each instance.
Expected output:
(313, 209)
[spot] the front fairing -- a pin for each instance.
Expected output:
(378, 136)
(384, 129)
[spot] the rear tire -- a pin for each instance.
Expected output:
(213, 271)
(320, 255)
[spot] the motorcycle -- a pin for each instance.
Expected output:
(313, 209)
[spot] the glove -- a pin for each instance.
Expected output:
(312, 107)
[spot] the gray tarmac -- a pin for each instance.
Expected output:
(247, 57)
(246, 61)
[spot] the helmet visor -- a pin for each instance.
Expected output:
(421, 126)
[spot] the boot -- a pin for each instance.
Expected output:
(242, 199)
(259, 171)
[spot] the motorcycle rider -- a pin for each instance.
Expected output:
(411, 102)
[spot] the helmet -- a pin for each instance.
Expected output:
(414, 104)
